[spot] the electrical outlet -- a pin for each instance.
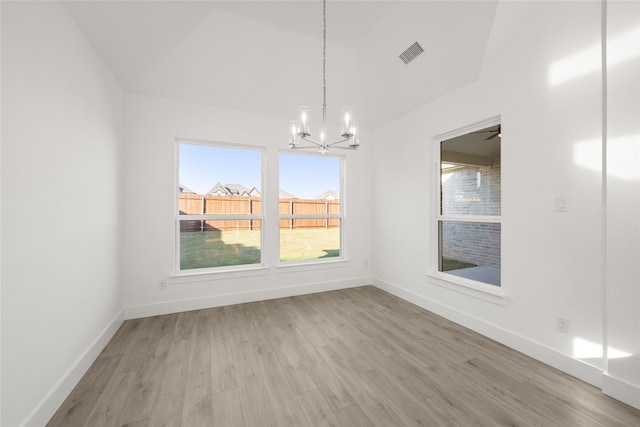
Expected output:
(563, 325)
(162, 285)
(561, 204)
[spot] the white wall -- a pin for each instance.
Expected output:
(623, 202)
(152, 125)
(546, 85)
(61, 139)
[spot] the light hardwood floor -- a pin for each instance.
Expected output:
(355, 357)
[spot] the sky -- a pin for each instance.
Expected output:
(304, 176)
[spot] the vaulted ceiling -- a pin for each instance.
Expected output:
(266, 56)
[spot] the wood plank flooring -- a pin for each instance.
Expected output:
(355, 357)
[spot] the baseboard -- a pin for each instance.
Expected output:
(538, 351)
(621, 390)
(56, 396)
(176, 306)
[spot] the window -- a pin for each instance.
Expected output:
(310, 206)
(469, 212)
(219, 212)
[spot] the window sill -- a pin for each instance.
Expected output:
(293, 266)
(185, 277)
(205, 276)
(489, 293)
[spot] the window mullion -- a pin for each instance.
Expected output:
(219, 217)
(311, 216)
(470, 218)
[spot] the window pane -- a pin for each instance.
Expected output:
(470, 190)
(205, 244)
(307, 243)
(309, 186)
(470, 174)
(216, 180)
(470, 250)
(219, 181)
(309, 177)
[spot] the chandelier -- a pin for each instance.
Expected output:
(300, 133)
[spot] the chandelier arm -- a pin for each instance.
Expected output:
(352, 148)
(338, 142)
(311, 141)
(301, 147)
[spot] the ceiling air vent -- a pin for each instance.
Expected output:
(411, 53)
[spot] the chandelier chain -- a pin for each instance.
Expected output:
(324, 52)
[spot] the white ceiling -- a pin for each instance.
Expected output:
(266, 56)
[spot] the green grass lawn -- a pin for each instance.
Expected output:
(203, 249)
(312, 243)
(222, 248)
(454, 264)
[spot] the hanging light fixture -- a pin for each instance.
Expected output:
(300, 133)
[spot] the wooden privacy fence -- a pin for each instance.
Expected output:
(197, 204)
(309, 207)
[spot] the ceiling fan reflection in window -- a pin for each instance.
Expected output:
(494, 131)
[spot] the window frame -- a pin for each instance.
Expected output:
(471, 287)
(340, 216)
(216, 217)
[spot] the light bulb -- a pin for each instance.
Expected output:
(295, 133)
(354, 142)
(304, 118)
(346, 123)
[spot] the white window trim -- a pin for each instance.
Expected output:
(484, 291)
(341, 216)
(241, 268)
